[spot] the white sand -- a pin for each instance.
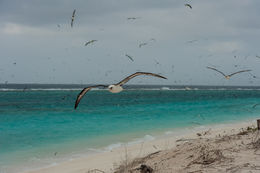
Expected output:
(107, 161)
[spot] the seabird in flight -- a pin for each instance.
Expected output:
(128, 56)
(252, 75)
(114, 88)
(188, 5)
(142, 44)
(228, 76)
(91, 41)
(192, 41)
(133, 18)
(257, 56)
(72, 18)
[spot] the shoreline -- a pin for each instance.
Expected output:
(113, 157)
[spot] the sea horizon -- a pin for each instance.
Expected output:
(42, 86)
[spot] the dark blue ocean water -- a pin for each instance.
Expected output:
(37, 125)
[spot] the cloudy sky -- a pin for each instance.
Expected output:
(37, 44)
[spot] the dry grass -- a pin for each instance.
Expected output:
(207, 154)
(224, 153)
(135, 164)
(95, 171)
(255, 144)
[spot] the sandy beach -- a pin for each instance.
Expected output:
(220, 148)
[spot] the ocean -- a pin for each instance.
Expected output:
(39, 126)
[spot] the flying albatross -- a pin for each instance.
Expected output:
(128, 56)
(142, 44)
(72, 18)
(188, 5)
(228, 76)
(89, 42)
(114, 88)
(255, 105)
(133, 18)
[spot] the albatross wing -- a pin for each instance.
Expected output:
(239, 72)
(137, 74)
(83, 92)
(217, 70)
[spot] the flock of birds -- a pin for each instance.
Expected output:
(116, 88)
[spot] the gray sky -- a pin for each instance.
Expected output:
(225, 35)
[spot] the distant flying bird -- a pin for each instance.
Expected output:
(228, 76)
(188, 5)
(114, 88)
(153, 39)
(252, 75)
(89, 42)
(142, 44)
(156, 62)
(14, 63)
(129, 57)
(192, 41)
(72, 18)
(257, 56)
(133, 18)
(58, 25)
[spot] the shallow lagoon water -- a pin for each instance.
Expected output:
(41, 126)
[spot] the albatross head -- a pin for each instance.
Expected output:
(115, 88)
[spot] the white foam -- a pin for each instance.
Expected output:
(113, 146)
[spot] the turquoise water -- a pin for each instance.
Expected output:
(34, 125)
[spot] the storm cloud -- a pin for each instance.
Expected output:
(36, 34)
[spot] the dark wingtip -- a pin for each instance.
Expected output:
(163, 77)
(76, 105)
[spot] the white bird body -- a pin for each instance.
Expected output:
(115, 88)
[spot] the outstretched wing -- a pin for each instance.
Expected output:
(84, 91)
(239, 72)
(188, 5)
(137, 74)
(216, 70)
(129, 57)
(92, 41)
(87, 43)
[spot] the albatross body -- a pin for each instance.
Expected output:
(114, 88)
